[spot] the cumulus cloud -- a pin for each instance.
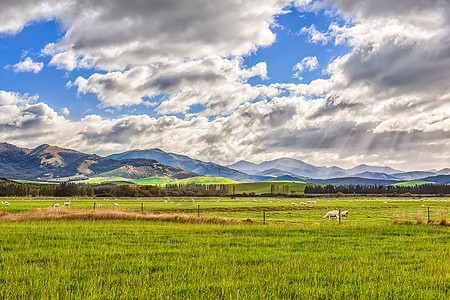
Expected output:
(387, 98)
(308, 63)
(13, 98)
(28, 65)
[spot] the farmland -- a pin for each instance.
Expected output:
(125, 253)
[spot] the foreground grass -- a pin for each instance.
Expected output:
(117, 259)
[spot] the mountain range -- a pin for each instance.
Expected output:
(47, 162)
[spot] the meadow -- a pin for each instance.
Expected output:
(129, 254)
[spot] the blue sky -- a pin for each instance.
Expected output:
(328, 82)
(289, 48)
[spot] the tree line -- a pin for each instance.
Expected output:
(431, 189)
(65, 189)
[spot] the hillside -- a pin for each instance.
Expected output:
(194, 165)
(52, 163)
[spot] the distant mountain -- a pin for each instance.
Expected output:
(445, 171)
(351, 181)
(374, 169)
(439, 179)
(299, 168)
(190, 164)
(50, 162)
(374, 175)
(275, 173)
(290, 165)
(413, 175)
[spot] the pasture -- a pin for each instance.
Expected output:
(294, 255)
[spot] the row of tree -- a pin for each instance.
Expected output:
(192, 190)
(435, 189)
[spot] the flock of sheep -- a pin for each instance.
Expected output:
(329, 215)
(68, 204)
(335, 214)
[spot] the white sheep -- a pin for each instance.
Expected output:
(7, 203)
(344, 214)
(67, 203)
(56, 205)
(116, 205)
(217, 201)
(332, 214)
(100, 205)
(309, 202)
(314, 202)
(3, 202)
(270, 202)
(293, 203)
(303, 203)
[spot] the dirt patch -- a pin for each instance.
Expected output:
(83, 214)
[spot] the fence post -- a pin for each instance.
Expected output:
(198, 211)
(94, 206)
(264, 216)
(339, 216)
(142, 207)
(428, 214)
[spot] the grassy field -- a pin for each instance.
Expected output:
(264, 187)
(205, 180)
(122, 253)
(413, 183)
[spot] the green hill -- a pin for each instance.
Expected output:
(413, 183)
(152, 181)
(265, 187)
(205, 180)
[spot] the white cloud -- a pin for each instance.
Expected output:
(28, 65)
(13, 98)
(388, 97)
(315, 36)
(308, 63)
(65, 111)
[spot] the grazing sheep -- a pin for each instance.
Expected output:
(7, 203)
(270, 201)
(303, 203)
(309, 202)
(56, 205)
(314, 202)
(99, 205)
(217, 201)
(293, 203)
(344, 214)
(385, 202)
(116, 205)
(3, 202)
(332, 214)
(67, 203)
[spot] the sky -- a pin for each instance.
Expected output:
(329, 82)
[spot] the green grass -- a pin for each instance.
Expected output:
(205, 180)
(413, 183)
(32, 181)
(152, 181)
(296, 255)
(109, 179)
(264, 187)
(114, 259)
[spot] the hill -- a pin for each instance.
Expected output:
(185, 162)
(54, 163)
(205, 180)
